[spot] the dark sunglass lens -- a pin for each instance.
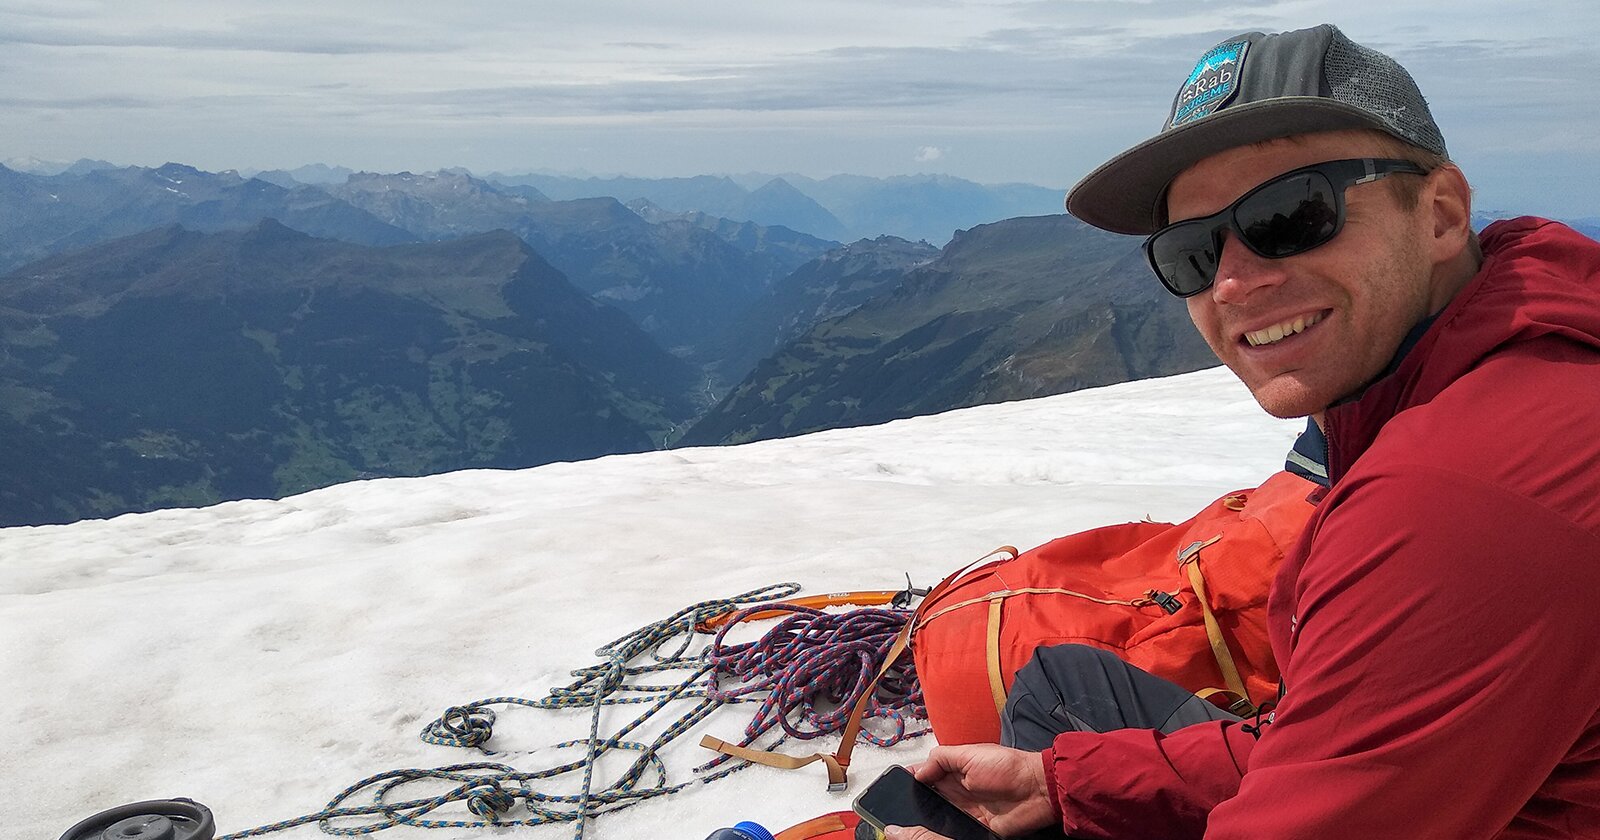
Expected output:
(1185, 258)
(1288, 216)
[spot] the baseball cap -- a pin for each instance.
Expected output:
(1249, 88)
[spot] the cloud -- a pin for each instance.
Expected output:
(219, 41)
(307, 32)
(928, 154)
(78, 103)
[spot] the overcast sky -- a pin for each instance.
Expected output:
(1038, 92)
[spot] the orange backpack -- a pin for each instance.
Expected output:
(1186, 602)
(839, 825)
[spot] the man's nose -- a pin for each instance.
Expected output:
(1241, 272)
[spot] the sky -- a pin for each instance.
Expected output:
(260, 656)
(1035, 91)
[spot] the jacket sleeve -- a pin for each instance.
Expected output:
(1434, 676)
(1141, 783)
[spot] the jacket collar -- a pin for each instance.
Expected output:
(1538, 278)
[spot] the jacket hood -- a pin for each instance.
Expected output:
(1540, 281)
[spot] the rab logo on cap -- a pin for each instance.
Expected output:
(1214, 81)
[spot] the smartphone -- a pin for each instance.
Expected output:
(897, 798)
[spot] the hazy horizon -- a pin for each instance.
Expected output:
(995, 92)
(35, 165)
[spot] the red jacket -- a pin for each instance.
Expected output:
(1439, 620)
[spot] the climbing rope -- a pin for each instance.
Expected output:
(811, 667)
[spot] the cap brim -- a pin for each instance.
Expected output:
(1124, 195)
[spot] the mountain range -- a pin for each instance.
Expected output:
(773, 202)
(178, 368)
(176, 337)
(684, 279)
(1016, 309)
(45, 215)
(827, 287)
(842, 207)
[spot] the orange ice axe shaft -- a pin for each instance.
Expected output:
(861, 598)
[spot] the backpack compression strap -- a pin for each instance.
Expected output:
(1189, 560)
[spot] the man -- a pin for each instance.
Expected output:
(1435, 624)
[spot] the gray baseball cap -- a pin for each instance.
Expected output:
(1250, 88)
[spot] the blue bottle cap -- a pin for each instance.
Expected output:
(755, 830)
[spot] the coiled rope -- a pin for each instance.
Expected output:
(811, 668)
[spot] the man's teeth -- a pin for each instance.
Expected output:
(1277, 332)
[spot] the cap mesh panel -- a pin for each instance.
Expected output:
(1375, 82)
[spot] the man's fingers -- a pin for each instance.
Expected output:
(900, 832)
(926, 772)
(941, 761)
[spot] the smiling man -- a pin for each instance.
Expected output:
(1435, 624)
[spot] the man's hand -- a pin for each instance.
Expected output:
(1004, 788)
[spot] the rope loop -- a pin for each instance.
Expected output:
(489, 800)
(461, 726)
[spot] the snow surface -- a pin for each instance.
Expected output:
(260, 656)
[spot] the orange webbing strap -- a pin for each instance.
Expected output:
(933, 594)
(1030, 590)
(836, 771)
(847, 741)
(997, 684)
(812, 828)
(1189, 559)
(1240, 706)
(839, 762)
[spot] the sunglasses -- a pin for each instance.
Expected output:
(1288, 215)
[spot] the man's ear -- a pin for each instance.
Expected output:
(1449, 197)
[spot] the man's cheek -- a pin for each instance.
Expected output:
(1206, 325)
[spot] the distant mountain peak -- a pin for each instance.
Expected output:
(651, 211)
(885, 246)
(778, 186)
(278, 177)
(181, 173)
(31, 165)
(500, 238)
(321, 173)
(83, 166)
(270, 230)
(457, 179)
(169, 169)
